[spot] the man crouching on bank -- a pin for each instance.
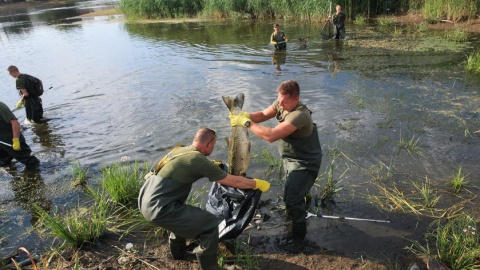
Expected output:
(163, 195)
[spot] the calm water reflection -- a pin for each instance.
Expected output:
(126, 89)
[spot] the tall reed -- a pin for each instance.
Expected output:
(453, 10)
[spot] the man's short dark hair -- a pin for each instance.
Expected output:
(290, 88)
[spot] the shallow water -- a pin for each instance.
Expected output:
(121, 89)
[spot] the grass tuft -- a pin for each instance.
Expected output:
(458, 180)
(473, 63)
(455, 243)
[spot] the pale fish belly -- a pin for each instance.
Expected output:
(239, 151)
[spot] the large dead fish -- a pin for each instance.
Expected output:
(238, 142)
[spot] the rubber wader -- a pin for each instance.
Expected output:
(178, 246)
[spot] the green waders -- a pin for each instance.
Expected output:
(301, 159)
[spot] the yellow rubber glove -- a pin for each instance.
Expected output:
(19, 104)
(273, 42)
(216, 162)
(246, 114)
(238, 120)
(16, 144)
(261, 184)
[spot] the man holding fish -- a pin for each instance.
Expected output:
(299, 147)
(163, 196)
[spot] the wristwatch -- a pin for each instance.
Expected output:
(247, 124)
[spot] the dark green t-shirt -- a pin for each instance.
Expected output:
(6, 116)
(300, 117)
(21, 82)
(174, 181)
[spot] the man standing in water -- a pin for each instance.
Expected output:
(339, 22)
(163, 195)
(278, 38)
(33, 104)
(299, 147)
(10, 132)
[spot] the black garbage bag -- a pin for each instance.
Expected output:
(234, 208)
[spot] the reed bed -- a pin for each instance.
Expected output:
(309, 10)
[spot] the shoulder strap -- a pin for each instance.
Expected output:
(168, 157)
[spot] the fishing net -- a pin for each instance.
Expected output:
(327, 30)
(234, 208)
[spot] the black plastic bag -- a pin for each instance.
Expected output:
(234, 208)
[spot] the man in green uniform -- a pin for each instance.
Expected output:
(10, 132)
(278, 38)
(33, 104)
(163, 195)
(339, 22)
(299, 147)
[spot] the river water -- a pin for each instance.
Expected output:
(122, 89)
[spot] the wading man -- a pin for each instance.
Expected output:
(10, 132)
(339, 22)
(33, 103)
(278, 38)
(163, 195)
(299, 147)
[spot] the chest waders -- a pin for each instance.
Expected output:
(301, 160)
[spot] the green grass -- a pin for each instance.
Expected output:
(457, 35)
(455, 242)
(331, 186)
(427, 193)
(458, 181)
(473, 63)
(123, 182)
(273, 163)
(360, 20)
(382, 171)
(453, 10)
(385, 21)
(411, 146)
(77, 226)
(79, 174)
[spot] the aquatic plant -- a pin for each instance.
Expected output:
(331, 186)
(473, 63)
(458, 180)
(123, 182)
(428, 194)
(382, 171)
(385, 20)
(455, 243)
(411, 146)
(79, 174)
(274, 163)
(360, 20)
(422, 27)
(457, 35)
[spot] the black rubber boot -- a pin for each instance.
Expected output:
(299, 231)
(178, 247)
(208, 262)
